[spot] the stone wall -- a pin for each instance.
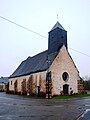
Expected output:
(36, 82)
(32, 82)
(64, 63)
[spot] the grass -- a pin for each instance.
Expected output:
(71, 96)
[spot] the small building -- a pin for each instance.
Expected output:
(3, 84)
(49, 73)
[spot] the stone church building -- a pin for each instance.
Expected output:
(49, 73)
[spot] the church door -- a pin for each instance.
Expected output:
(65, 89)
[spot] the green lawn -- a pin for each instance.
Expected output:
(71, 96)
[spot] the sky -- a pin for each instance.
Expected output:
(16, 43)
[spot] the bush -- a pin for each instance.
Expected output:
(42, 94)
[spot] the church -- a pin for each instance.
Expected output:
(49, 73)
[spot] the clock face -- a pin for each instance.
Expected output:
(65, 76)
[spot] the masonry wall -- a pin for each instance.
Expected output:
(38, 79)
(34, 83)
(64, 63)
(2, 86)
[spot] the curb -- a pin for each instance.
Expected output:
(79, 116)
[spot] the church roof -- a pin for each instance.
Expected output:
(58, 25)
(33, 64)
(37, 63)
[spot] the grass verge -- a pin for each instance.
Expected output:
(71, 96)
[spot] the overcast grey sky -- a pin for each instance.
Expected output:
(16, 44)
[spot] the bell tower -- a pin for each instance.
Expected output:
(57, 38)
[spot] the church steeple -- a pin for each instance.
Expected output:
(57, 25)
(57, 38)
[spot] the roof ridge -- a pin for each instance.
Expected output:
(39, 53)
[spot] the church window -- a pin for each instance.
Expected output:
(65, 76)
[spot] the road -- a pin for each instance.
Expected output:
(14, 107)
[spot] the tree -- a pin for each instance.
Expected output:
(30, 85)
(23, 84)
(86, 82)
(15, 87)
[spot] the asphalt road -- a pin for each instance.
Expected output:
(14, 107)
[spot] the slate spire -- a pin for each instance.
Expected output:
(58, 25)
(57, 38)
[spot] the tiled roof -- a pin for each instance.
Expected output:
(31, 65)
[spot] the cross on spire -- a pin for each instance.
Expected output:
(57, 17)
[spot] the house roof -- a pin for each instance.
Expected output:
(4, 80)
(58, 25)
(33, 64)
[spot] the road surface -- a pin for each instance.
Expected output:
(14, 107)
